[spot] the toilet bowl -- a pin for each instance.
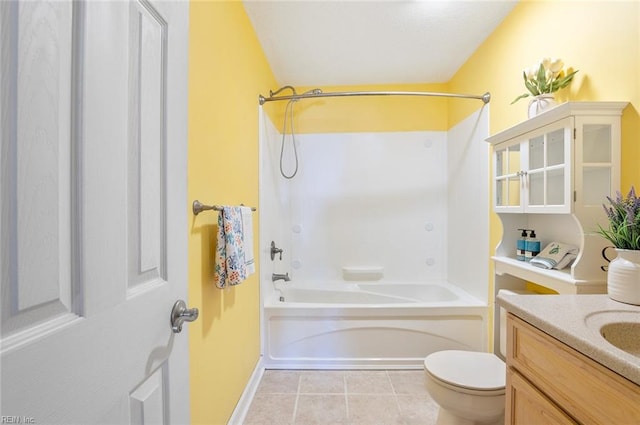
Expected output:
(468, 386)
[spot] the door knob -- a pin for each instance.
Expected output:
(180, 314)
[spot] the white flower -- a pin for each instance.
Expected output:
(548, 74)
(555, 66)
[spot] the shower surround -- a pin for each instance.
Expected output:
(409, 207)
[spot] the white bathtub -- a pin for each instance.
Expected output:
(369, 325)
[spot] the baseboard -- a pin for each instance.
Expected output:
(242, 407)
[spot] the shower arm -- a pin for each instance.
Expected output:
(316, 93)
(273, 93)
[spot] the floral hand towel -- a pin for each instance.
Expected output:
(230, 267)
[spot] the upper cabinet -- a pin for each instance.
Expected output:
(552, 173)
(559, 161)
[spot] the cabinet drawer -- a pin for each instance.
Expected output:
(527, 405)
(586, 390)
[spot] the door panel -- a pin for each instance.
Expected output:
(147, 133)
(37, 286)
(93, 224)
(148, 401)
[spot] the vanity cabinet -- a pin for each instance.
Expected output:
(549, 382)
(552, 173)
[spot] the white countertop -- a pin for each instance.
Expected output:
(576, 320)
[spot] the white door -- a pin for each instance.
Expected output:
(93, 225)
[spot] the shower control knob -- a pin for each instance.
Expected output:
(275, 250)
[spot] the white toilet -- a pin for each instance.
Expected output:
(469, 386)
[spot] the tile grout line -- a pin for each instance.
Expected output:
(346, 396)
(393, 389)
(295, 404)
(395, 395)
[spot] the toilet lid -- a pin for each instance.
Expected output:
(467, 369)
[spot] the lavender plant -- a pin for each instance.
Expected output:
(624, 221)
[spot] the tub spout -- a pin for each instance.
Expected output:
(276, 277)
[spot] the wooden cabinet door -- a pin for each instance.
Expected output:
(526, 405)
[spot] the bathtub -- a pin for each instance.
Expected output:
(368, 325)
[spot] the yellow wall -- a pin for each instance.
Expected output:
(601, 39)
(227, 71)
(370, 113)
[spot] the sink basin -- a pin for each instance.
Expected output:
(619, 328)
(624, 335)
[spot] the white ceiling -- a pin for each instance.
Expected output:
(320, 43)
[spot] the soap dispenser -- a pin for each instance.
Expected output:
(521, 245)
(532, 246)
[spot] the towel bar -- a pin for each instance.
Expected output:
(198, 207)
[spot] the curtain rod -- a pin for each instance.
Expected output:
(318, 93)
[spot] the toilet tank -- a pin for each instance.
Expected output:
(503, 318)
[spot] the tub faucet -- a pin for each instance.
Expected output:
(276, 276)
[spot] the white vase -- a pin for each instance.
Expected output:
(540, 103)
(623, 277)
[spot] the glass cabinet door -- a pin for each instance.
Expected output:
(536, 170)
(534, 175)
(548, 173)
(507, 189)
(596, 163)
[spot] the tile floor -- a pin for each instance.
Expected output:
(363, 397)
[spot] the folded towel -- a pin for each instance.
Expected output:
(230, 263)
(555, 256)
(247, 239)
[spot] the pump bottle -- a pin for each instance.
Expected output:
(532, 246)
(521, 245)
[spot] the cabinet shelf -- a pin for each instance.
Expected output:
(558, 280)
